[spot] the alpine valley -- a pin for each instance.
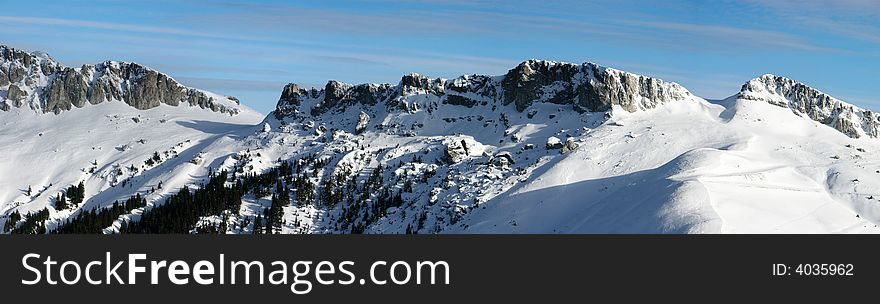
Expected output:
(549, 147)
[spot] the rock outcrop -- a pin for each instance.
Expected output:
(553, 142)
(570, 145)
(460, 148)
(14, 95)
(363, 121)
(586, 87)
(803, 100)
(338, 95)
(55, 88)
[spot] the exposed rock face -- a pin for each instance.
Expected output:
(570, 145)
(502, 160)
(55, 88)
(553, 143)
(335, 93)
(586, 87)
(363, 121)
(339, 95)
(15, 95)
(460, 148)
(4, 77)
(68, 88)
(415, 83)
(806, 101)
(291, 98)
(460, 101)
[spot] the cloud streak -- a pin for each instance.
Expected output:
(214, 84)
(736, 36)
(127, 27)
(856, 19)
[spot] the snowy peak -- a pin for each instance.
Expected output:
(586, 87)
(36, 80)
(803, 100)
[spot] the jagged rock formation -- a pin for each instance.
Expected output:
(803, 100)
(460, 148)
(290, 100)
(37, 80)
(363, 120)
(337, 94)
(586, 87)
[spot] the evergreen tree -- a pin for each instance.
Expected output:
(11, 221)
(96, 219)
(258, 224)
(61, 202)
(34, 223)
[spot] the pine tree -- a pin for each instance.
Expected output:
(408, 186)
(258, 225)
(13, 219)
(34, 223)
(61, 202)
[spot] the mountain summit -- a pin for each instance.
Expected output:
(36, 80)
(803, 100)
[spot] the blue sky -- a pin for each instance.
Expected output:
(251, 49)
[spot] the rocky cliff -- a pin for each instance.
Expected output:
(38, 81)
(803, 100)
(586, 87)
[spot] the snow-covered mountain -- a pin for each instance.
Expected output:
(548, 147)
(100, 125)
(36, 81)
(803, 100)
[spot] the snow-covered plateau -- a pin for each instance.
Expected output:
(549, 147)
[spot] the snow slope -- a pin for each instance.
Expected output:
(734, 166)
(99, 145)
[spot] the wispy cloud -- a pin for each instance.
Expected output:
(857, 19)
(213, 69)
(423, 26)
(347, 59)
(862, 7)
(126, 27)
(220, 85)
(735, 35)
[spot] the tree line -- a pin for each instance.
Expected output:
(96, 219)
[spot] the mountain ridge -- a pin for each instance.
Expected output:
(804, 100)
(586, 87)
(38, 81)
(547, 147)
